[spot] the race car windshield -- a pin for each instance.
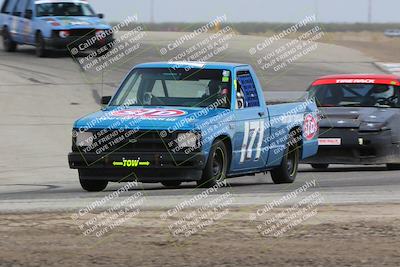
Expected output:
(66, 9)
(355, 95)
(175, 87)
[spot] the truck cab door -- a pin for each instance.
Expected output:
(250, 148)
(25, 23)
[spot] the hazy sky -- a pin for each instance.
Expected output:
(250, 10)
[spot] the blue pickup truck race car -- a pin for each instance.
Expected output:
(181, 122)
(52, 24)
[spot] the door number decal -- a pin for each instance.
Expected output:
(252, 129)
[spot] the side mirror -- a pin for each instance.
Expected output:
(105, 100)
(28, 14)
(100, 15)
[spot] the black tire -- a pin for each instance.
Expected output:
(286, 173)
(40, 46)
(93, 185)
(171, 184)
(8, 44)
(216, 167)
(393, 167)
(320, 166)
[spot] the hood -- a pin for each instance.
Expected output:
(77, 22)
(150, 118)
(352, 117)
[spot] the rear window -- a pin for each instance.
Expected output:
(20, 7)
(247, 92)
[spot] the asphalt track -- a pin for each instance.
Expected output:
(40, 99)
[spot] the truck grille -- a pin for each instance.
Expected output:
(77, 33)
(82, 32)
(131, 141)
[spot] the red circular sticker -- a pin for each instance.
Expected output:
(310, 127)
(149, 113)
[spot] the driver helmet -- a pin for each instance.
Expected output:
(382, 91)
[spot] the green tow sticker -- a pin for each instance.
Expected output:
(130, 163)
(225, 76)
(225, 79)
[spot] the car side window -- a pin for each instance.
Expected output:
(28, 9)
(246, 91)
(19, 8)
(7, 7)
(14, 11)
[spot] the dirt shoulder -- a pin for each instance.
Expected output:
(357, 235)
(373, 44)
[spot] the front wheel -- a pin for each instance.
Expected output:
(393, 167)
(93, 185)
(40, 46)
(8, 44)
(287, 171)
(216, 167)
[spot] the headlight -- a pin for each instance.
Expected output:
(64, 34)
(84, 139)
(100, 34)
(373, 126)
(187, 140)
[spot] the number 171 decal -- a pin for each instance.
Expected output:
(252, 129)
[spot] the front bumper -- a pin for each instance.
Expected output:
(140, 166)
(69, 43)
(364, 148)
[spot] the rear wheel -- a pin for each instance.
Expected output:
(8, 44)
(171, 184)
(216, 167)
(287, 171)
(40, 45)
(393, 167)
(320, 166)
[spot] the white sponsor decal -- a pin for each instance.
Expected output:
(355, 81)
(189, 63)
(329, 141)
(149, 113)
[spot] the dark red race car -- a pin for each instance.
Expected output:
(360, 120)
